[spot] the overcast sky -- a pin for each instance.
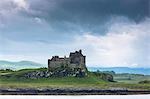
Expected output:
(110, 32)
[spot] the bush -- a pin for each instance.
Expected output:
(144, 82)
(104, 76)
(6, 70)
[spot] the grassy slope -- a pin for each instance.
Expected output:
(91, 81)
(131, 78)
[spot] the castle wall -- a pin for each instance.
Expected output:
(57, 63)
(75, 60)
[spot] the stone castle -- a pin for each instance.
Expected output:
(76, 60)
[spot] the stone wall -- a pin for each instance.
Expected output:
(75, 60)
(59, 63)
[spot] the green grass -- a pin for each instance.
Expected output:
(91, 81)
(51, 82)
(131, 78)
(21, 72)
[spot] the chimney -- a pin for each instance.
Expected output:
(80, 51)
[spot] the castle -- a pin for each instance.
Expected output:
(76, 60)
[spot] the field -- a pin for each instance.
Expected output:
(12, 79)
(131, 78)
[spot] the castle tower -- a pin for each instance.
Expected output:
(75, 60)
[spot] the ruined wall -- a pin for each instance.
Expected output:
(57, 63)
(75, 60)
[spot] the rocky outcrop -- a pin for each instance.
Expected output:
(107, 77)
(56, 73)
(37, 74)
(104, 76)
(70, 91)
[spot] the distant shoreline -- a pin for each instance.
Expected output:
(71, 92)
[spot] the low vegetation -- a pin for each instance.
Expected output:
(130, 78)
(15, 79)
(144, 82)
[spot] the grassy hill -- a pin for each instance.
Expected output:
(145, 71)
(19, 65)
(14, 79)
(131, 78)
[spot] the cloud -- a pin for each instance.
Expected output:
(38, 20)
(89, 11)
(10, 11)
(125, 44)
(12, 6)
(110, 32)
(46, 20)
(21, 4)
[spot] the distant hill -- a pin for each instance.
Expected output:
(30, 64)
(19, 65)
(145, 71)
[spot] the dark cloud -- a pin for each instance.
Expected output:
(110, 27)
(91, 10)
(66, 18)
(88, 14)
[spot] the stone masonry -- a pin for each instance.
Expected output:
(76, 60)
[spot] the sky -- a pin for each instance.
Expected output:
(111, 33)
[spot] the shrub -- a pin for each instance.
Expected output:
(144, 82)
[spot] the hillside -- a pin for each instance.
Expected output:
(19, 65)
(30, 64)
(145, 71)
(15, 79)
